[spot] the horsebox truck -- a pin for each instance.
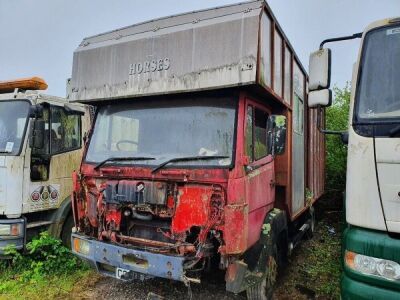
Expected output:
(371, 241)
(40, 147)
(203, 153)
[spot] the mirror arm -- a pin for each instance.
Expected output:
(322, 128)
(342, 38)
(343, 134)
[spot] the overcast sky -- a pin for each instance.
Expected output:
(38, 37)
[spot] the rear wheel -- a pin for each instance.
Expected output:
(265, 289)
(66, 231)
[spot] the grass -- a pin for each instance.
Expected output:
(314, 268)
(47, 270)
(48, 287)
(324, 264)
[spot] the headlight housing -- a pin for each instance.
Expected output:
(11, 230)
(372, 266)
(81, 246)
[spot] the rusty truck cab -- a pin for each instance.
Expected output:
(197, 153)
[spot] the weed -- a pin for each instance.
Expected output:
(47, 268)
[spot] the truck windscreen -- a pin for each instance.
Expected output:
(378, 95)
(163, 130)
(13, 117)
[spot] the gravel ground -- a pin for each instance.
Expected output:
(213, 289)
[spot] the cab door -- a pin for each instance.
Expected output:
(49, 169)
(259, 181)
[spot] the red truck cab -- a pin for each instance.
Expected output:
(202, 151)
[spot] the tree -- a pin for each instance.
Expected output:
(337, 118)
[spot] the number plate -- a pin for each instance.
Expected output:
(119, 273)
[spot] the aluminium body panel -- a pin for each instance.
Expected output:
(315, 156)
(202, 50)
(213, 52)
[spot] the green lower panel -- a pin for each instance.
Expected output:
(356, 290)
(377, 244)
(372, 243)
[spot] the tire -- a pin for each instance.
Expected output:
(67, 230)
(265, 289)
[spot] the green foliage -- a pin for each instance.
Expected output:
(324, 262)
(45, 259)
(337, 118)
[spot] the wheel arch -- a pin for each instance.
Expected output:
(59, 216)
(245, 272)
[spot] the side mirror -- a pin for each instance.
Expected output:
(320, 70)
(36, 136)
(276, 134)
(320, 79)
(320, 98)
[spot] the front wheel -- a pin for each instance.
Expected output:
(67, 231)
(265, 289)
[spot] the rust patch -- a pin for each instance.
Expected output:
(192, 209)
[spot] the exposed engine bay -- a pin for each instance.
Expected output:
(163, 217)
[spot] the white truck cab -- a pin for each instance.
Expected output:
(41, 141)
(371, 242)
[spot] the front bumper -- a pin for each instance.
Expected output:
(354, 289)
(106, 258)
(17, 241)
(378, 244)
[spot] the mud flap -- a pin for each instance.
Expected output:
(253, 267)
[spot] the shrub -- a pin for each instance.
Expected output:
(45, 256)
(337, 118)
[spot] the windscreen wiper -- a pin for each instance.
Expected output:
(4, 151)
(188, 158)
(122, 159)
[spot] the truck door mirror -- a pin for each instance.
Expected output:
(276, 134)
(320, 70)
(320, 79)
(37, 132)
(322, 98)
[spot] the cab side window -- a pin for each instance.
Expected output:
(260, 134)
(256, 133)
(65, 133)
(249, 132)
(62, 134)
(45, 151)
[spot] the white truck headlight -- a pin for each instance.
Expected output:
(369, 265)
(11, 229)
(388, 269)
